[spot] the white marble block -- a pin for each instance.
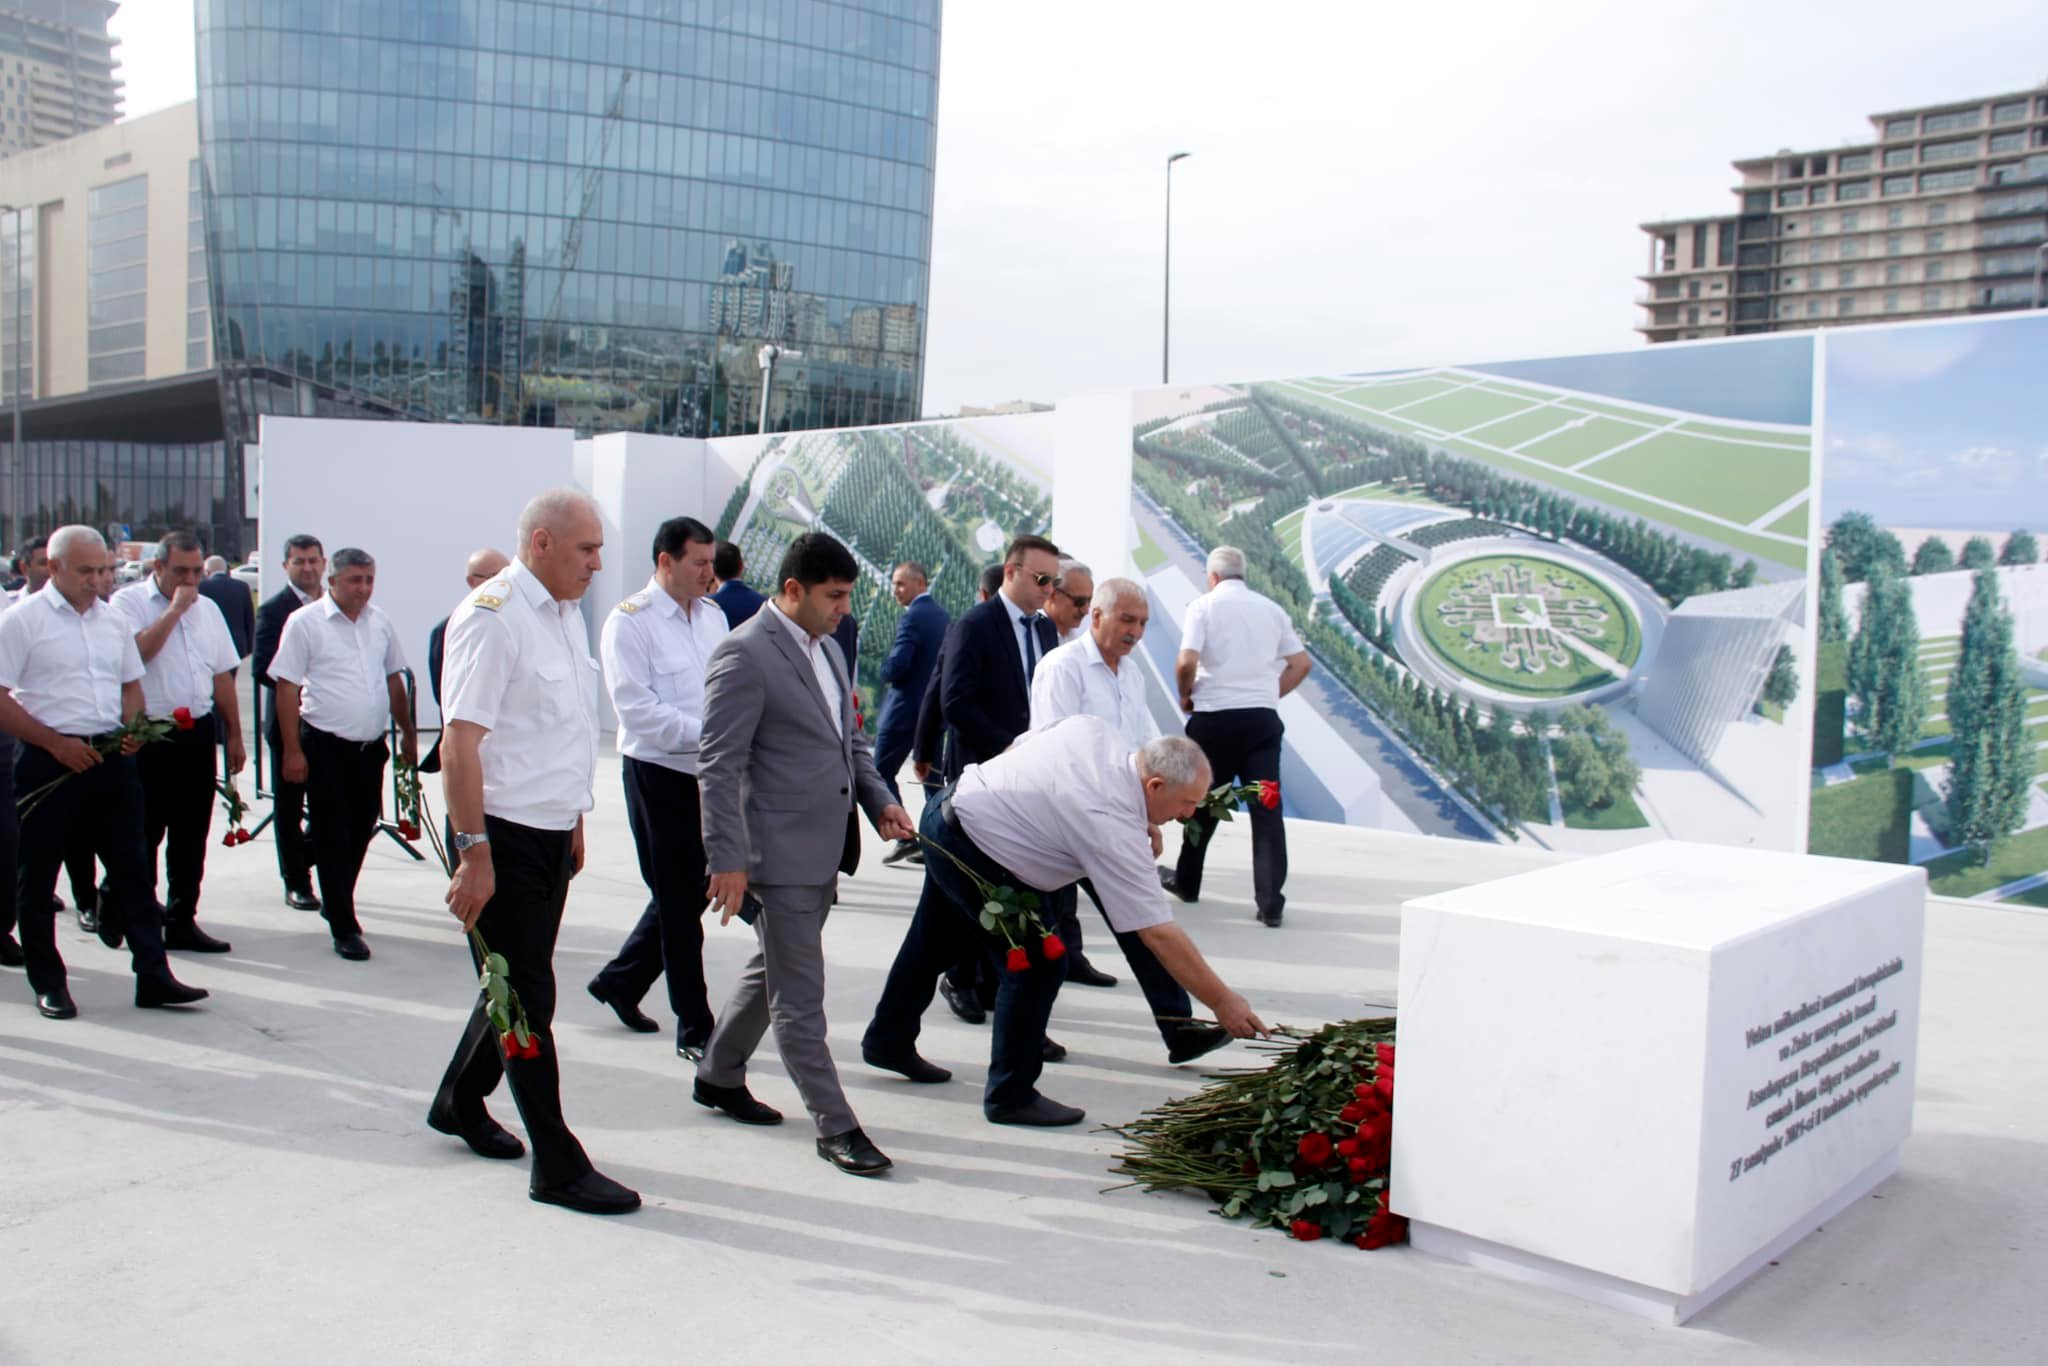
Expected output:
(1638, 1077)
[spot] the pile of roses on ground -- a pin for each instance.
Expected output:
(1301, 1145)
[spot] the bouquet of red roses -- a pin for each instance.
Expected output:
(494, 976)
(237, 809)
(1010, 913)
(1222, 802)
(149, 731)
(1302, 1144)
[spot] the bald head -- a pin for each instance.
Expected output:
(484, 565)
(560, 537)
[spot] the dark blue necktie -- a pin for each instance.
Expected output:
(1030, 649)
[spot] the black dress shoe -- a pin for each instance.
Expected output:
(57, 1005)
(1192, 1040)
(903, 850)
(1081, 972)
(484, 1135)
(1055, 1051)
(691, 1043)
(154, 990)
(1171, 882)
(301, 901)
(909, 1065)
(186, 935)
(1270, 919)
(853, 1152)
(89, 919)
(630, 1015)
(736, 1101)
(1038, 1113)
(352, 947)
(108, 928)
(591, 1193)
(11, 955)
(962, 1004)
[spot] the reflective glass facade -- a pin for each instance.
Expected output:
(588, 213)
(148, 487)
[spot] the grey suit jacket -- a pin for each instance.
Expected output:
(775, 777)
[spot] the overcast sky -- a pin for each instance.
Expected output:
(1372, 186)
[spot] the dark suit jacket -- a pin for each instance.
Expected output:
(983, 693)
(437, 640)
(910, 665)
(237, 602)
(270, 620)
(928, 746)
(846, 635)
(737, 601)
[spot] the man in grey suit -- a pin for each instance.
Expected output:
(780, 764)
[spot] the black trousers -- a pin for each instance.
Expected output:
(178, 776)
(892, 748)
(1167, 998)
(10, 833)
(1243, 746)
(106, 800)
(288, 821)
(945, 926)
(520, 922)
(663, 809)
(80, 864)
(344, 789)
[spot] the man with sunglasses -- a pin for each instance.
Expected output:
(1068, 605)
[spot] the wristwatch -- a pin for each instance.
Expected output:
(465, 842)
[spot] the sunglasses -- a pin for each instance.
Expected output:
(1080, 601)
(1040, 579)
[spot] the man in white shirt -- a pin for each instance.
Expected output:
(1067, 604)
(520, 704)
(190, 658)
(339, 674)
(1061, 804)
(70, 678)
(655, 646)
(1239, 655)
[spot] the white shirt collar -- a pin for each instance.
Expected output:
(803, 638)
(1017, 614)
(299, 593)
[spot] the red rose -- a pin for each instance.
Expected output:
(511, 1043)
(1347, 1147)
(1384, 1230)
(1359, 1168)
(244, 836)
(532, 1049)
(1307, 1230)
(1352, 1113)
(1363, 1090)
(1018, 960)
(1315, 1149)
(1384, 1084)
(1370, 1132)
(229, 839)
(1054, 948)
(1269, 794)
(182, 718)
(1384, 1052)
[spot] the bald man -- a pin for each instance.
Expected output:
(483, 566)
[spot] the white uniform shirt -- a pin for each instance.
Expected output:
(517, 662)
(1063, 804)
(199, 646)
(342, 666)
(66, 670)
(1075, 680)
(1242, 639)
(821, 664)
(654, 660)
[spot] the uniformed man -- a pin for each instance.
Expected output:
(340, 683)
(520, 705)
(190, 657)
(69, 677)
(655, 646)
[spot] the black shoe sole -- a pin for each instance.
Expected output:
(931, 1074)
(882, 1170)
(760, 1123)
(497, 1153)
(542, 1197)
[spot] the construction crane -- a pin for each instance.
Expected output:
(592, 177)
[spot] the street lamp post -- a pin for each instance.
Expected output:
(14, 449)
(1166, 311)
(767, 356)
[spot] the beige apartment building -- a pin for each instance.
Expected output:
(56, 71)
(1943, 211)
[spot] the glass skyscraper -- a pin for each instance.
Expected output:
(588, 213)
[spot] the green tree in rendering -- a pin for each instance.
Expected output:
(1933, 557)
(1834, 622)
(2020, 548)
(1977, 553)
(1781, 686)
(1991, 760)
(1594, 769)
(1884, 667)
(1862, 547)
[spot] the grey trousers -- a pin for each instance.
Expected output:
(783, 985)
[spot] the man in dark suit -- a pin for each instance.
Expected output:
(484, 565)
(305, 572)
(913, 656)
(732, 595)
(928, 747)
(236, 602)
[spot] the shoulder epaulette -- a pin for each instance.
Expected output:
(489, 600)
(636, 602)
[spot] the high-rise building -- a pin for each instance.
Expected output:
(56, 71)
(585, 212)
(1942, 210)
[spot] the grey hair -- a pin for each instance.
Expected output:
(547, 511)
(348, 557)
(1073, 566)
(178, 541)
(1175, 758)
(1226, 562)
(216, 564)
(66, 539)
(1110, 592)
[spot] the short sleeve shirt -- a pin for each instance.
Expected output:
(343, 667)
(1241, 639)
(67, 668)
(199, 647)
